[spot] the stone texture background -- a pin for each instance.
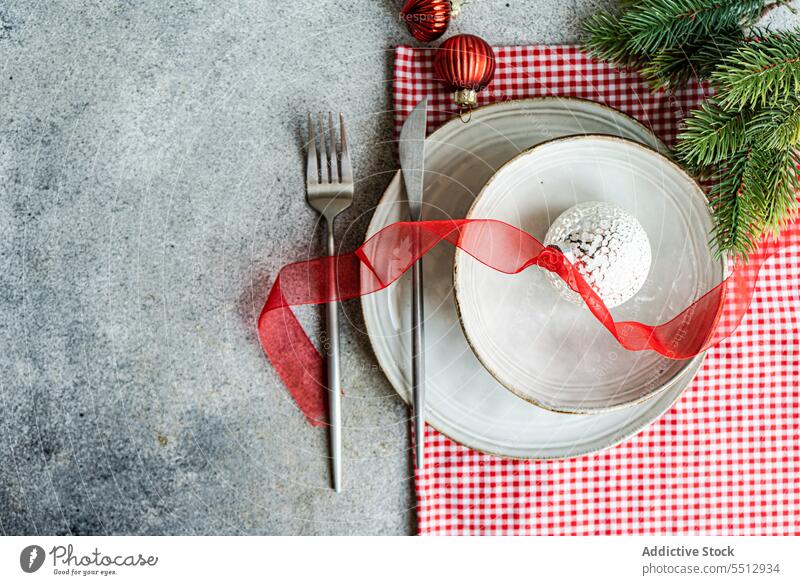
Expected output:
(151, 183)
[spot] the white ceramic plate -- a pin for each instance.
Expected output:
(552, 352)
(464, 401)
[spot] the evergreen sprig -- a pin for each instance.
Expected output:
(761, 73)
(734, 216)
(746, 137)
(675, 66)
(672, 39)
(609, 40)
(777, 127)
(656, 24)
(743, 219)
(711, 134)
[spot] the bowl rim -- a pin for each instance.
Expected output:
(459, 310)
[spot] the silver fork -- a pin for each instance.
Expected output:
(329, 190)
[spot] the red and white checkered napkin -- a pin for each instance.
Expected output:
(724, 460)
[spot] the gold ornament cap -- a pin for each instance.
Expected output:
(466, 98)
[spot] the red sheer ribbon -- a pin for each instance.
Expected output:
(384, 257)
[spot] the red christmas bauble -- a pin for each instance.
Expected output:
(466, 64)
(426, 19)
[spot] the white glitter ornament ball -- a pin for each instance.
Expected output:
(609, 247)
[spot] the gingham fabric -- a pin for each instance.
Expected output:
(724, 460)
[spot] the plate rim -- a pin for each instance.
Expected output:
(635, 429)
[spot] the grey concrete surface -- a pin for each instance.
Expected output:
(150, 187)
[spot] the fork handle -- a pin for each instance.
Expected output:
(418, 361)
(334, 389)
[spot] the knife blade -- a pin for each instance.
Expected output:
(412, 162)
(412, 156)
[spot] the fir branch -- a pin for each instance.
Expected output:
(673, 67)
(711, 135)
(773, 182)
(608, 40)
(670, 54)
(712, 51)
(736, 228)
(656, 24)
(755, 192)
(760, 73)
(777, 127)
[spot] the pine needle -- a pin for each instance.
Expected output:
(777, 127)
(608, 40)
(711, 135)
(754, 193)
(656, 24)
(760, 73)
(673, 67)
(773, 182)
(737, 214)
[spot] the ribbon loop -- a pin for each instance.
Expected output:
(388, 254)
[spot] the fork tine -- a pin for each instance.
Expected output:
(347, 167)
(323, 152)
(334, 161)
(312, 167)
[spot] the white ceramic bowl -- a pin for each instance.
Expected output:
(551, 352)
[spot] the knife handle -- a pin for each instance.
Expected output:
(418, 361)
